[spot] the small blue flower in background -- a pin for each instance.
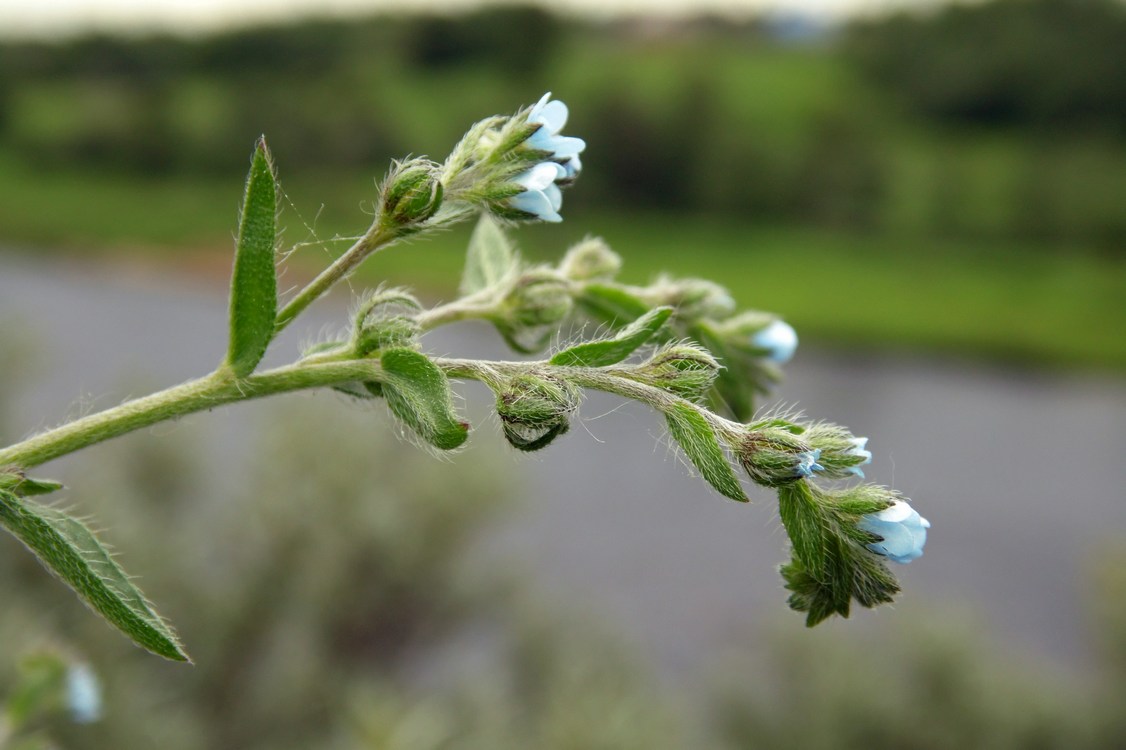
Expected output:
(807, 463)
(859, 450)
(541, 197)
(551, 117)
(903, 532)
(779, 340)
(83, 694)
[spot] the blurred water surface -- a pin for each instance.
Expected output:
(1020, 472)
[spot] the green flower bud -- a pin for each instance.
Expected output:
(536, 304)
(842, 453)
(534, 410)
(385, 321)
(591, 260)
(777, 455)
(412, 193)
(684, 369)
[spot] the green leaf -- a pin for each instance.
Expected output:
(611, 305)
(71, 551)
(254, 286)
(611, 351)
(699, 442)
(491, 258)
(418, 393)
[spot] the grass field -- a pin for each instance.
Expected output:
(1008, 302)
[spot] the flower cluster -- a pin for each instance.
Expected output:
(514, 167)
(541, 197)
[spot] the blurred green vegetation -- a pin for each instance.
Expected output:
(326, 582)
(965, 170)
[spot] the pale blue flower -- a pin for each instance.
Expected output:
(83, 694)
(541, 197)
(859, 451)
(551, 116)
(807, 463)
(778, 339)
(902, 530)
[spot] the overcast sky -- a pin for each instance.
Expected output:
(38, 17)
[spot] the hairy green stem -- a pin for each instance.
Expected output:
(220, 388)
(376, 239)
(196, 395)
(614, 380)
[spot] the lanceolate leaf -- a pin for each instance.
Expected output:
(611, 351)
(490, 258)
(254, 290)
(419, 394)
(71, 551)
(699, 442)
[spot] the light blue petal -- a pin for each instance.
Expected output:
(572, 167)
(553, 116)
(554, 196)
(566, 146)
(536, 203)
(539, 176)
(779, 340)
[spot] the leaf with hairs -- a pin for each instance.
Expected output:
(418, 393)
(490, 259)
(699, 442)
(611, 351)
(254, 286)
(69, 549)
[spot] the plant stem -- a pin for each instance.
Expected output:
(376, 239)
(196, 395)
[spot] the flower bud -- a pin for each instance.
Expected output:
(842, 454)
(540, 298)
(591, 260)
(901, 530)
(774, 456)
(386, 320)
(534, 410)
(777, 340)
(684, 369)
(693, 298)
(412, 193)
(538, 301)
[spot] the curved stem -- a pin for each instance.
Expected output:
(376, 239)
(196, 395)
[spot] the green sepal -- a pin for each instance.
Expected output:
(490, 259)
(68, 548)
(254, 286)
(698, 440)
(611, 305)
(611, 351)
(418, 393)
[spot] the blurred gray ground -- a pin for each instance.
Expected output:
(1021, 473)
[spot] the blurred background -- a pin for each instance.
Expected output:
(934, 195)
